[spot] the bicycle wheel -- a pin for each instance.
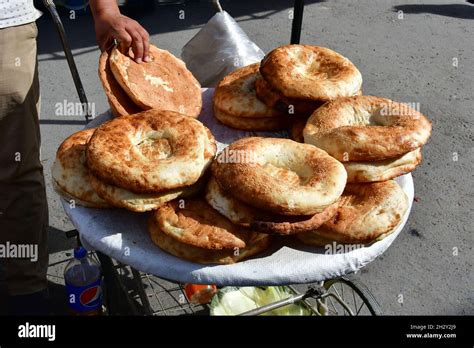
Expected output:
(354, 294)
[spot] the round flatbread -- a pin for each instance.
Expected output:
(310, 72)
(367, 213)
(258, 220)
(280, 175)
(196, 223)
(372, 171)
(70, 174)
(366, 128)
(74, 200)
(235, 95)
(120, 103)
(256, 243)
(141, 202)
(152, 151)
(162, 83)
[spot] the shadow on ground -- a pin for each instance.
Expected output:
(463, 11)
(58, 241)
(157, 19)
(57, 299)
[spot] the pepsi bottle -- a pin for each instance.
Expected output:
(83, 280)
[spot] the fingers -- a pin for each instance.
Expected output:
(137, 44)
(130, 33)
(140, 43)
(124, 38)
(146, 44)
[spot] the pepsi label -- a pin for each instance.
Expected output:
(85, 298)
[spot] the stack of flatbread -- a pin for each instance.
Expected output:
(137, 162)
(284, 89)
(157, 157)
(163, 83)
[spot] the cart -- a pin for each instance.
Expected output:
(128, 286)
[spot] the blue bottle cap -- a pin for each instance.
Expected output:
(80, 252)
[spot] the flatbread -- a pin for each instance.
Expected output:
(259, 220)
(372, 171)
(70, 174)
(280, 175)
(163, 83)
(310, 73)
(141, 202)
(120, 103)
(366, 128)
(194, 222)
(367, 212)
(152, 151)
(235, 95)
(256, 243)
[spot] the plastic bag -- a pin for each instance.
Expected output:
(219, 48)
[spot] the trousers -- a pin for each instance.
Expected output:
(23, 205)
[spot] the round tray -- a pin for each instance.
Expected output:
(123, 236)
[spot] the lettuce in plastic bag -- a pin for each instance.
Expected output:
(233, 301)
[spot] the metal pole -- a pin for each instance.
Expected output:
(217, 5)
(290, 300)
(297, 21)
(70, 59)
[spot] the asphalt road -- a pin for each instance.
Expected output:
(410, 51)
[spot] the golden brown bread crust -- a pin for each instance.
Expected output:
(287, 225)
(235, 95)
(233, 209)
(70, 174)
(366, 128)
(288, 106)
(280, 175)
(256, 243)
(120, 103)
(236, 105)
(77, 201)
(259, 220)
(269, 124)
(372, 171)
(310, 72)
(194, 222)
(141, 202)
(151, 151)
(367, 212)
(163, 83)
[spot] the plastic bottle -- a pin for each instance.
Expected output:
(83, 280)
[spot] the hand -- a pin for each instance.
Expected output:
(110, 26)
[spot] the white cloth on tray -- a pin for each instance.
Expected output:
(123, 236)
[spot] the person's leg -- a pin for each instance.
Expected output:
(23, 206)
